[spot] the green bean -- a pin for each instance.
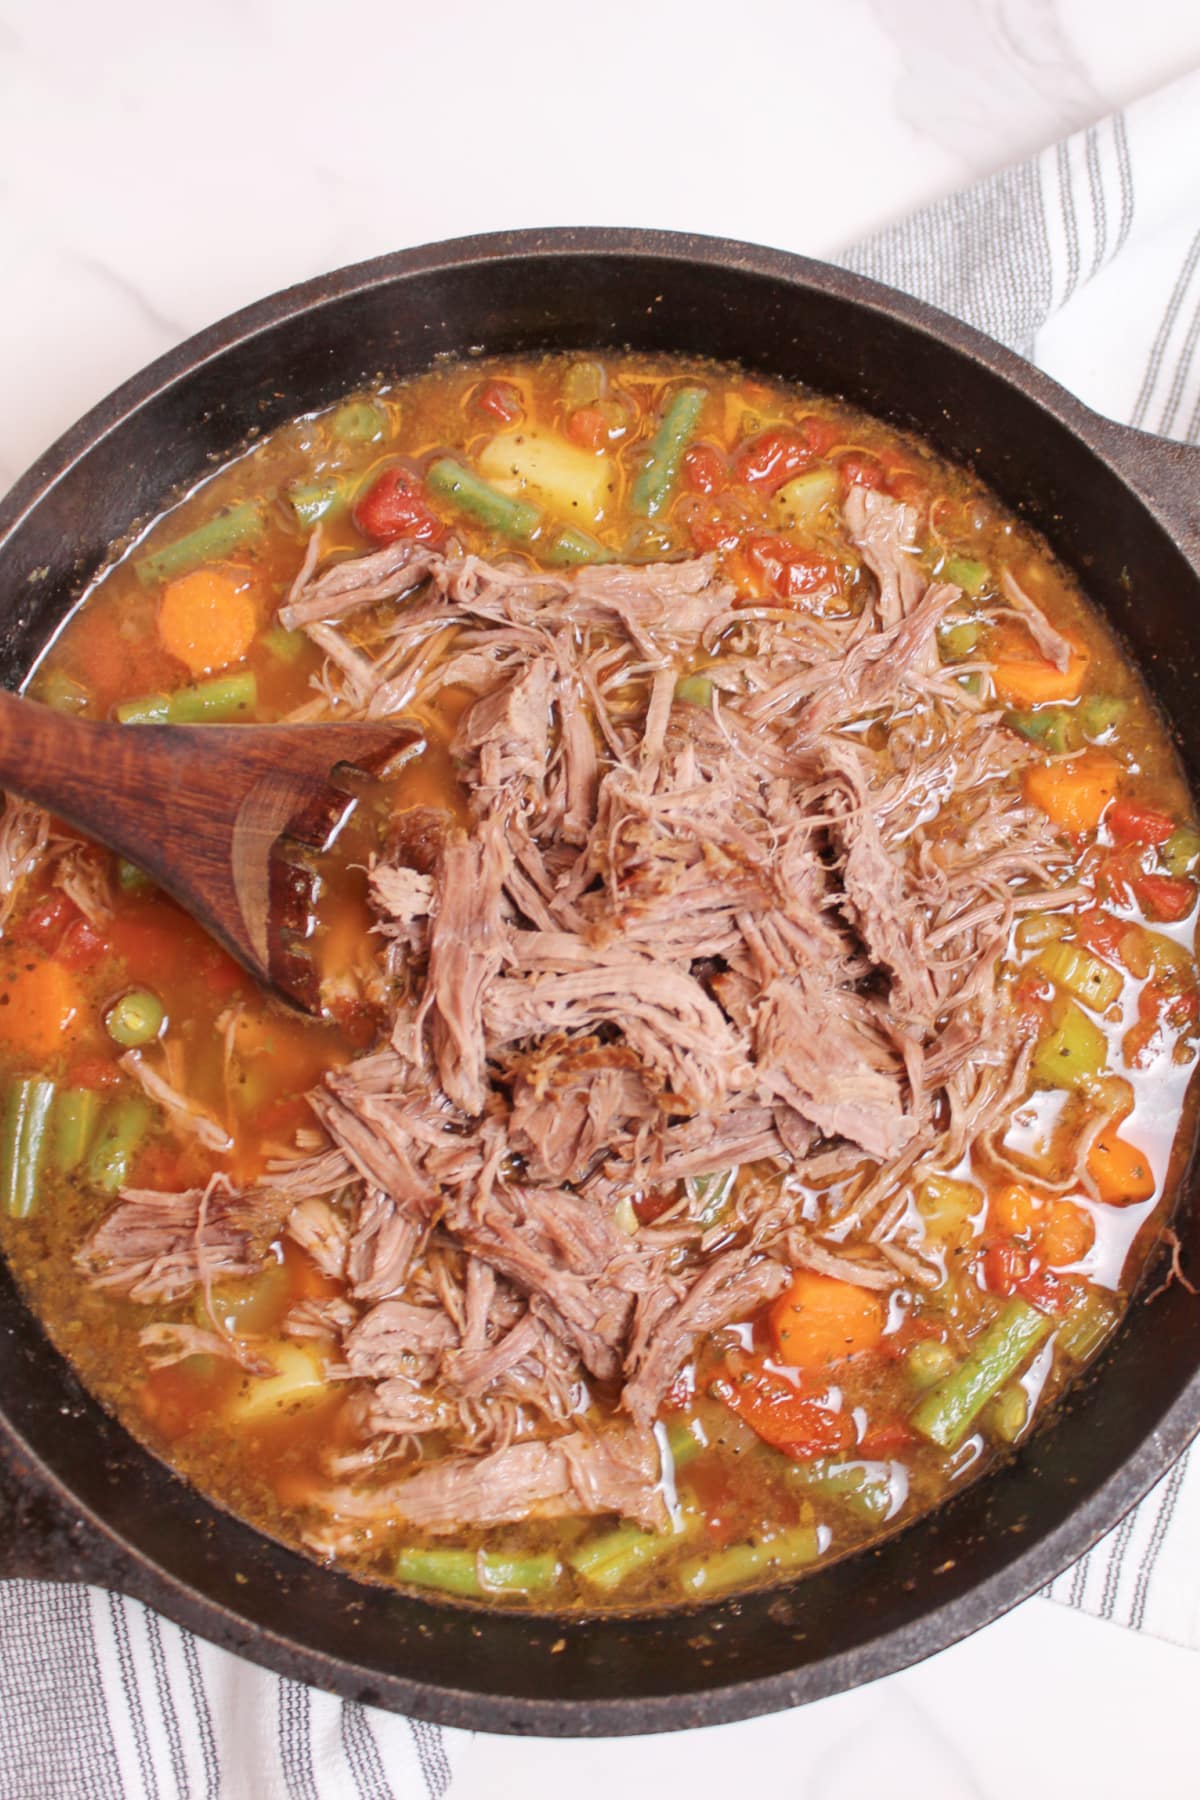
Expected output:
(135, 1019)
(512, 518)
(209, 702)
(861, 1487)
(971, 576)
(123, 1128)
(314, 500)
(695, 690)
(928, 1362)
(653, 488)
(236, 526)
(285, 646)
(1072, 967)
(792, 1549)
(573, 546)
(1099, 714)
(476, 1573)
(1074, 1050)
(23, 1144)
(1087, 1324)
(73, 1121)
(359, 422)
(607, 1560)
(713, 1194)
(1050, 727)
(1180, 852)
(947, 1412)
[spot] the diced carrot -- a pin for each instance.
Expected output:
(1132, 823)
(1074, 793)
(1119, 1169)
(1066, 1234)
(1013, 1210)
(820, 1320)
(208, 618)
(1032, 681)
(42, 1008)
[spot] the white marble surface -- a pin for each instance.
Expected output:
(159, 167)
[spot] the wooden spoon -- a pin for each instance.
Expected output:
(220, 816)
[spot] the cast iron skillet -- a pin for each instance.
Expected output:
(1121, 508)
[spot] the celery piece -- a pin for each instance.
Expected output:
(1099, 714)
(1073, 1052)
(683, 1443)
(1071, 967)
(449, 480)
(572, 546)
(73, 1120)
(1181, 851)
(237, 525)
(64, 695)
(713, 1194)
(583, 385)
(359, 422)
(1087, 1324)
(23, 1131)
(131, 879)
(1049, 726)
(947, 1205)
(947, 1412)
(285, 646)
(959, 638)
(971, 576)
(123, 1129)
(799, 503)
(863, 1488)
(655, 484)
(1039, 928)
(793, 1549)
(695, 690)
(476, 1574)
(208, 702)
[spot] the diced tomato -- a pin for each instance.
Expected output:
(1005, 1266)
(47, 920)
(771, 458)
(397, 506)
(588, 428)
(791, 571)
(907, 485)
(93, 1072)
(703, 470)
(858, 468)
(500, 400)
(821, 434)
(781, 1414)
(712, 529)
(1100, 932)
(1049, 1292)
(1165, 898)
(1134, 824)
(82, 946)
(882, 1441)
(654, 1203)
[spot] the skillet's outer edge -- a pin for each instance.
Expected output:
(98, 1552)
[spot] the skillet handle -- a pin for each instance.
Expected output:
(1167, 476)
(41, 1538)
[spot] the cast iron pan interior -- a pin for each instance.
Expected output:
(86, 1500)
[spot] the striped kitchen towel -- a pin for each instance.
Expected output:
(1087, 261)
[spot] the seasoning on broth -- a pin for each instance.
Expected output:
(756, 1024)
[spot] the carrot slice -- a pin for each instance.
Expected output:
(819, 1320)
(1034, 682)
(42, 1008)
(208, 618)
(1075, 793)
(1119, 1169)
